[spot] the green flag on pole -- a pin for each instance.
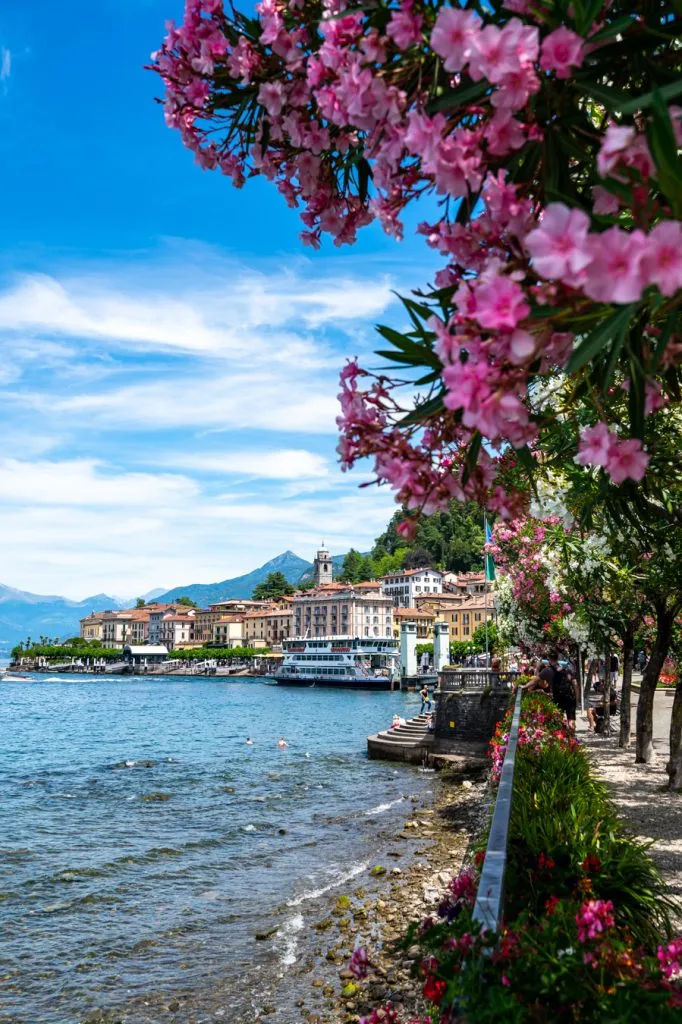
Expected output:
(489, 563)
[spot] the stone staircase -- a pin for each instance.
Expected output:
(410, 742)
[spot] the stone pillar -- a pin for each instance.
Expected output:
(441, 646)
(408, 648)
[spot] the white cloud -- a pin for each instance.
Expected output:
(259, 401)
(264, 317)
(76, 528)
(84, 482)
(280, 464)
(5, 64)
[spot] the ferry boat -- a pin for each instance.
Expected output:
(358, 663)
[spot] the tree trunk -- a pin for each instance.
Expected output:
(674, 765)
(644, 746)
(607, 690)
(625, 709)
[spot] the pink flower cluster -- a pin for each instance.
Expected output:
(325, 102)
(622, 460)
(359, 963)
(594, 918)
(612, 266)
(670, 958)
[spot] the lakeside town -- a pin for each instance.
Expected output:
(327, 608)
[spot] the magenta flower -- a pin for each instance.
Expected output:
(500, 304)
(453, 35)
(616, 142)
(562, 50)
(559, 246)
(594, 918)
(670, 958)
(662, 261)
(615, 273)
(595, 446)
(359, 963)
(627, 461)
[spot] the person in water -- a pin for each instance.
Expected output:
(282, 743)
(249, 741)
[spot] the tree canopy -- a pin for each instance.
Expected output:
(274, 586)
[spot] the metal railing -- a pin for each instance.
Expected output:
(476, 679)
(489, 905)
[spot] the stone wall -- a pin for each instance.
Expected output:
(470, 715)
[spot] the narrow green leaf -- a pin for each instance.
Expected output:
(666, 92)
(616, 27)
(600, 337)
(458, 97)
(663, 146)
(663, 341)
(612, 99)
(398, 357)
(423, 411)
(431, 378)
(613, 358)
(471, 457)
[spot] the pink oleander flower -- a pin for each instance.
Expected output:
(271, 96)
(405, 28)
(616, 141)
(662, 259)
(558, 246)
(491, 56)
(504, 133)
(594, 918)
(626, 461)
(615, 273)
(562, 50)
(604, 201)
(453, 35)
(670, 958)
(595, 446)
(522, 346)
(500, 304)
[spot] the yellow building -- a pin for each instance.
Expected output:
(464, 612)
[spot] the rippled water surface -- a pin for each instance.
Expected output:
(143, 843)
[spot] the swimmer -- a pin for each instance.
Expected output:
(282, 743)
(249, 741)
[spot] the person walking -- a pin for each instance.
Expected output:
(426, 699)
(564, 688)
(613, 668)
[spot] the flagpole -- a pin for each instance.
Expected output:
(485, 586)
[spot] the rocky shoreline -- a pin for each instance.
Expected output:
(421, 854)
(378, 920)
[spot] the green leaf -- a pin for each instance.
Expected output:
(398, 357)
(666, 92)
(364, 175)
(471, 457)
(458, 97)
(422, 412)
(663, 341)
(613, 358)
(612, 99)
(600, 337)
(616, 27)
(663, 146)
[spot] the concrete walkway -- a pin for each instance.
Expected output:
(639, 790)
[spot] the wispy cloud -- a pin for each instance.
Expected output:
(277, 464)
(5, 64)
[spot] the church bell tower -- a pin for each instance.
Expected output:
(323, 567)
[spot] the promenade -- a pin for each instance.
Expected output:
(639, 790)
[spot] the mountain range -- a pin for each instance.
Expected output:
(24, 614)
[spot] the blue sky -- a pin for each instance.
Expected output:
(170, 351)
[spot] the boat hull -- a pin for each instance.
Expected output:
(335, 684)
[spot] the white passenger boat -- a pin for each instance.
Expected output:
(12, 677)
(358, 663)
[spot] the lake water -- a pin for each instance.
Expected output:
(143, 843)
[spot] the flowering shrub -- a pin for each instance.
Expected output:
(548, 137)
(585, 909)
(542, 726)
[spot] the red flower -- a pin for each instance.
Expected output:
(545, 863)
(591, 863)
(479, 858)
(551, 905)
(434, 990)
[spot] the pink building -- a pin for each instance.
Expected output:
(342, 609)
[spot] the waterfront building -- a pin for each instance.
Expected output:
(323, 572)
(342, 609)
(127, 626)
(464, 582)
(405, 586)
(424, 620)
(171, 625)
(272, 625)
(463, 612)
(91, 626)
(228, 631)
(205, 620)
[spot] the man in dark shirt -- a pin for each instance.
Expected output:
(563, 687)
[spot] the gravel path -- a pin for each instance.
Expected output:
(639, 791)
